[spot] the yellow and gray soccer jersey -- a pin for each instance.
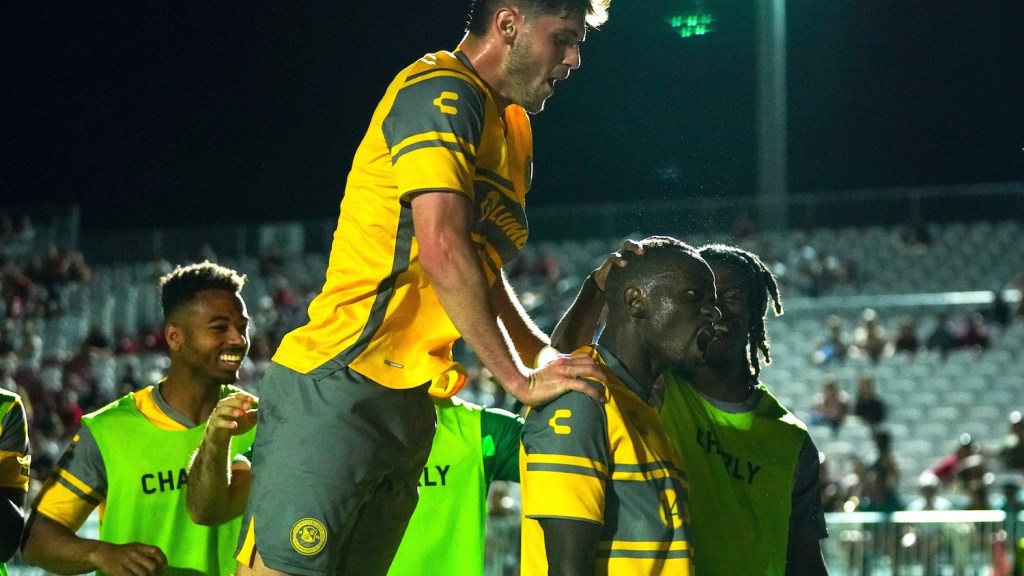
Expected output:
(436, 129)
(610, 464)
(14, 447)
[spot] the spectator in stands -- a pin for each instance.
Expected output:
(879, 493)
(928, 494)
(942, 339)
(7, 378)
(1012, 503)
(834, 347)
(538, 265)
(129, 380)
(884, 465)
(906, 340)
(832, 494)
(830, 405)
(853, 483)
(977, 481)
(973, 335)
(950, 468)
(915, 235)
(927, 540)
(998, 313)
(10, 339)
(870, 339)
(1011, 451)
(30, 353)
(868, 406)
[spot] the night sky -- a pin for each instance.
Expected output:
(160, 113)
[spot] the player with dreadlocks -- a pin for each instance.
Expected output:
(752, 468)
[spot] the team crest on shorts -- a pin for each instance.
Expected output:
(308, 536)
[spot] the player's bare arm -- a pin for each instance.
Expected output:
(571, 546)
(443, 222)
(527, 339)
(55, 548)
(217, 488)
(577, 326)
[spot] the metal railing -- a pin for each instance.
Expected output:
(961, 542)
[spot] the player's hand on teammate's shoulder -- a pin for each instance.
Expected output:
(235, 414)
(132, 559)
(567, 372)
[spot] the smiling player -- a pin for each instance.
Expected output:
(130, 456)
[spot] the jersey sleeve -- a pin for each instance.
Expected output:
(77, 485)
(565, 444)
(14, 447)
(433, 130)
(807, 519)
(500, 431)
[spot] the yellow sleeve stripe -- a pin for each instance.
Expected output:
(62, 505)
(674, 545)
(434, 139)
(82, 490)
(547, 461)
(642, 476)
(556, 495)
(439, 73)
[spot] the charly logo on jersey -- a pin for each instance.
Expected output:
(164, 481)
(308, 536)
(441, 100)
(562, 414)
(736, 468)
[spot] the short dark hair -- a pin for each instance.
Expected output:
(658, 250)
(179, 287)
(761, 284)
(595, 11)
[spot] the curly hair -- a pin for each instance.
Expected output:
(180, 286)
(762, 285)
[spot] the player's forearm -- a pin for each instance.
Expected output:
(527, 339)
(209, 476)
(455, 274)
(577, 326)
(55, 548)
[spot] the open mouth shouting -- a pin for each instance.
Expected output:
(707, 334)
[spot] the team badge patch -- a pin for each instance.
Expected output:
(308, 536)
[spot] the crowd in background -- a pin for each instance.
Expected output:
(60, 388)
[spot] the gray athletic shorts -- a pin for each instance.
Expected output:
(335, 463)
